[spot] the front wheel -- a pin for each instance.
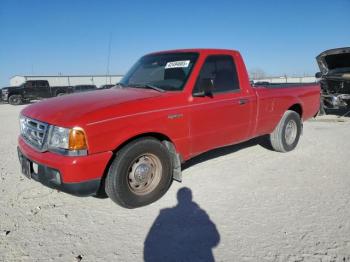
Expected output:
(140, 174)
(15, 100)
(286, 135)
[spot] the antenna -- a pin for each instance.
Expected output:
(108, 57)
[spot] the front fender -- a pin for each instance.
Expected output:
(111, 134)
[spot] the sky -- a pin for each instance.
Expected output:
(72, 36)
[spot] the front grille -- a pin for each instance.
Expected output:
(34, 132)
(4, 97)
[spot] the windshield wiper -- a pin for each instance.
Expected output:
(149, 86)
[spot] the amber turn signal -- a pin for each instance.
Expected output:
(77, 139)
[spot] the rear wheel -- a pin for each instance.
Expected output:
(140, 174)
(15, 99)
(60, 94)
(286, 135)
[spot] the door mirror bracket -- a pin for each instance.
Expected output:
(206, 88)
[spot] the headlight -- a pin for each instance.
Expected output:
(21, 123)
(59, 137)
(68, 141)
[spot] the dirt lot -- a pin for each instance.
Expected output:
(249, 204)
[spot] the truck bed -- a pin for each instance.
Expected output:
(284, 85)
(272, 99)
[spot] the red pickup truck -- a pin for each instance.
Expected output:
(129, 141)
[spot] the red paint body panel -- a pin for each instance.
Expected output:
(112, 117)
(72, 169)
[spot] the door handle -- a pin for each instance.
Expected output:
(243, 101)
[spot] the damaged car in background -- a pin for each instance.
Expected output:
(334, 77)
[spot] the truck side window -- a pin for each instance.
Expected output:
(41, 84)
(222, 71)
(29, 84)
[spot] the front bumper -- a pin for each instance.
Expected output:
(80, 176)
(4, 96)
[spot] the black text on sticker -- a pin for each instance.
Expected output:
(175, 64)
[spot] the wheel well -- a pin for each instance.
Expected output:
(14, 93)
(158, 136)
(297, 108)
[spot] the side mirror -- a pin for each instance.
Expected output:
(318, 75)
(206, 87)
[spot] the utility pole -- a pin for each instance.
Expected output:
(109, 58)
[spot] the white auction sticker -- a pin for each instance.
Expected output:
(176, 64)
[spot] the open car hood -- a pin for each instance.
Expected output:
(335, 61)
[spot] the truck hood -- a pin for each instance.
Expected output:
(335, 61)
(82, 108)
(11, 87)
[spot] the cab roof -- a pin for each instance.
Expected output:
(196, 50)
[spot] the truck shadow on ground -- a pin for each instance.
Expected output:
(262, 141)
(182, 233)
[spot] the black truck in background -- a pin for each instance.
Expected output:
(32, 90)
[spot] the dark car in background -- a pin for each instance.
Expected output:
(32, 90)
(83, 88)
(1, 101)
(106, 86)
(334, 77)
(39, 89)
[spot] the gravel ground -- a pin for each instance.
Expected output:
(249, 204)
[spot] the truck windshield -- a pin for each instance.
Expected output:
(166, 71)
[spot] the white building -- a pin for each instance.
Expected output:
(66, 80)
(287, 79)
(98, 80)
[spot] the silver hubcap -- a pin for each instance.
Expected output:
(144, 174)
(291, 132)
(14, 99)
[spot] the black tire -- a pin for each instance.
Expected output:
(60, 94)
(278, 138)
(118, 184)
(15, 100)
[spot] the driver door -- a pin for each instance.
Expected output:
(30, 90)
(223, 116)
